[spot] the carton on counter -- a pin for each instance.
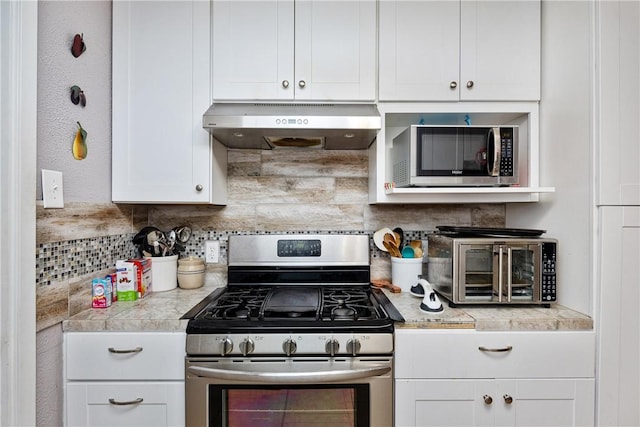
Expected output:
(143, 275)
(101, 293)
(113, 279)
(127, 281)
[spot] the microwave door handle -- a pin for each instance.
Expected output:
(500, 270)
(509, 275)
(493, 169)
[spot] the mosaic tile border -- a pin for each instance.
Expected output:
(65, 260)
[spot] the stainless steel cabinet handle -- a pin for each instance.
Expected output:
(507, 399)
(199, 187)
(129, 402)
(488, 400)
(453, 85)
(496, 350)
(285, 84)
(469, 84)
(302, 83)
(133, 350)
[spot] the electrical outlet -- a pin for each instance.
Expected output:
(52, 189)
(212, 251)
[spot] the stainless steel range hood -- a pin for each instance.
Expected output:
(267, 126)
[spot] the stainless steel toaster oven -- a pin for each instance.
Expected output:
(493, 270)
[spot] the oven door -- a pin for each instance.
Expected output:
(337, 392)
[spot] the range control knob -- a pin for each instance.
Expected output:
(353, 346)
(226, 345)
(332, 346)
(289, 347)
(247, 346)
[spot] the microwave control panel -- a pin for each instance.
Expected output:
(548, 272)
(506, 152)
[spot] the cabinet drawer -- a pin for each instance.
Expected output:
(124, 356)
(132, 404)
(472, 354)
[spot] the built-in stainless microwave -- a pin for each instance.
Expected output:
(426, 155)
(493, 270)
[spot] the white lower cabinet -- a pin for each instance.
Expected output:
(124, 379)
(470, 378)
(131, 404)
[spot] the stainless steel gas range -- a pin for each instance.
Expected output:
(297, 337)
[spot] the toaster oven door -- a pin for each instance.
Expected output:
(499, 273)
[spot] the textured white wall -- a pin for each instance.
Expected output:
(87, 180)
(566, 148)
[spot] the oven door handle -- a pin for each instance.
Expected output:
(290, 377)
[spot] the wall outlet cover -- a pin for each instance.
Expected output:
(212, 251)
(52, 191)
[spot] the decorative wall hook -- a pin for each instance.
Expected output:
(77, 96)
(78, 46)
(79, 148)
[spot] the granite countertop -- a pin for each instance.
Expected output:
(161, 312)
(496, 318)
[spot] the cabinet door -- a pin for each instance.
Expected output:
(463, 403)
(253, 45)
(618, 287)
(125, 404)
(419, 50)
(335, 50)
(618, 154)
(544, 402)
(284, 50)
(160, 152)
(440, 403)
(500, 50)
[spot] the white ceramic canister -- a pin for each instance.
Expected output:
(191, 272)
(405, 272)
(163, 273)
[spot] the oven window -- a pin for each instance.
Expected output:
(344, 405)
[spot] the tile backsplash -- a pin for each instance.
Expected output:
(306, 191)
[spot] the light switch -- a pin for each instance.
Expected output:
(52, 189)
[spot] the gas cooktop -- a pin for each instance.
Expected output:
(308, 308)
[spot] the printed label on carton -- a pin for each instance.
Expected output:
(127, 285)
(101, 293)
(143, 275)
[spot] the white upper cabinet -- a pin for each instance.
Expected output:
(294, 50)
(161, 88)
(459, 50)
(618, 149)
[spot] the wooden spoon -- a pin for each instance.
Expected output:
(393, 250)
(379, 284)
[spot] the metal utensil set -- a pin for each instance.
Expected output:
(152, 242)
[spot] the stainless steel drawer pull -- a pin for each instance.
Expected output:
(130, 402)
(496, 350)
(133, 350)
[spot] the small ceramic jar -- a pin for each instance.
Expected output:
(191, 272)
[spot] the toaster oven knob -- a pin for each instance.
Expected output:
(247, 346)
(332, 347)
(353, 347)
(289, 347)
(226, 345)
